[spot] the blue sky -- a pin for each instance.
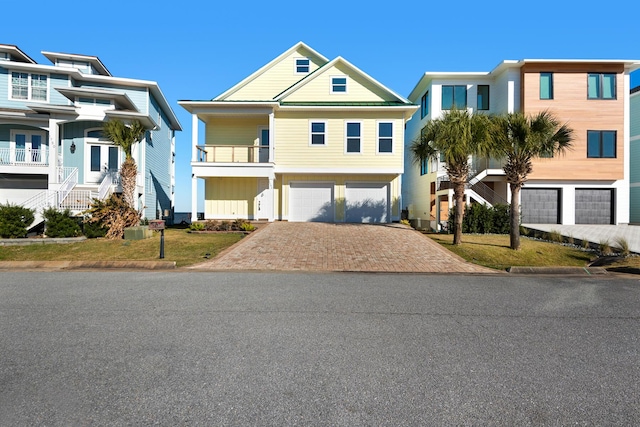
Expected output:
(198, 49)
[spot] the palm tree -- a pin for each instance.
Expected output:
(519, 139)
(455, 136)
(126, 136)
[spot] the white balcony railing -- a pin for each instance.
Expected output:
(233, 154)
(24, 157)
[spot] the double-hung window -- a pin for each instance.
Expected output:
(339, 84)
(454, 97)
(29, 86)
(424, 105)
(317, 133)
(483, 97)
(601, 144)
(546, 85)
(385, 137)
(302, 65)
(601, 86)
(353, 136)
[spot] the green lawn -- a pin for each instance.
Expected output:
(493, 251)
(180, 246)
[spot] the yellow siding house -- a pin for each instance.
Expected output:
(304, 138)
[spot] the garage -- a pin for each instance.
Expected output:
(594, 206)
(367, 202)
(540, 205)
(311, 201)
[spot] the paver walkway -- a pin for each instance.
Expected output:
(296, 246)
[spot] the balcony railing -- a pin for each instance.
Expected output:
(24, 157)
(233, 154)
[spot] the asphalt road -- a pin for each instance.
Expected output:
(140, 348)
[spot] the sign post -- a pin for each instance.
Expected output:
(158, 225)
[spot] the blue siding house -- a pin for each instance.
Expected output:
(52, 150)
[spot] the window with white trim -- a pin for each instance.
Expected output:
(33, 87)
(303, 65)
(385, 137)
(353, 132)
(339, 84)
(317, 132)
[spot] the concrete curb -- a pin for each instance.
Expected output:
(588, 271)
(41, 241)
(81, 265)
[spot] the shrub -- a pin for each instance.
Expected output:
(554, 236)
(60, 223)
(14, 220)
(570, 239)
(501, 219)
(605, 247)
(483, 219)
(623, 245)
(226, 226)
(196, 226)
(92, 230)
(247, 226)
(211, 225)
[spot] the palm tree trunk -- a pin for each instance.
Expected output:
(458, 196)
(515, 217)
(128, 174)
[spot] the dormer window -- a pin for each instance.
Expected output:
(96, 102)
(302, 65)
(83, 66)
(339, 84)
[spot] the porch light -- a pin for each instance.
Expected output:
(73, 147)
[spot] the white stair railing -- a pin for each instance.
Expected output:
(106, 184)
(67, 185)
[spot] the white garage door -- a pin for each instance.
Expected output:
(311, 201)
(367, 202)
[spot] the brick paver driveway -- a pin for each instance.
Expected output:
(339, 247)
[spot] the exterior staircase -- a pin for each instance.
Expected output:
(69, 196)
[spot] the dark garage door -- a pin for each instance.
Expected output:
(594, 206)
(540, 206)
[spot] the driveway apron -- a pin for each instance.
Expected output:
(297, 246)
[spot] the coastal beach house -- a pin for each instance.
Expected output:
(52, 149)
(589, 184)
(304, 138)
(634, 158)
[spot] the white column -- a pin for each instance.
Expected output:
(54, 138)
(271, 138)
(272, 197)
(194, 137)
(194, 198)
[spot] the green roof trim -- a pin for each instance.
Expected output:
(347, 104)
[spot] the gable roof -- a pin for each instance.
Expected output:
(267, 67)
(339, 60)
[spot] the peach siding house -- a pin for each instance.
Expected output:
(587, 185)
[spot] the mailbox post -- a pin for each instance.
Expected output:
(158, 225)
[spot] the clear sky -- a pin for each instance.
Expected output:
(197, 49)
